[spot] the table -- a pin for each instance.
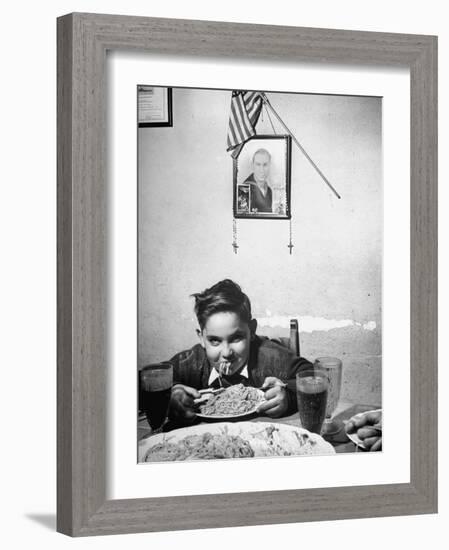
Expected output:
(340, 441)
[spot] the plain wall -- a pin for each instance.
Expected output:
(334, 272)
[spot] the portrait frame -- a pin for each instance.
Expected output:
(155, 110)
(82, 505)
(281, 199)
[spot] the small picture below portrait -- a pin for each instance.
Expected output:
(262, 178)
(243, 198)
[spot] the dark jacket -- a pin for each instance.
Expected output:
(266, 358)
(258, 201)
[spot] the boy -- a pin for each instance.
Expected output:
(229, 345)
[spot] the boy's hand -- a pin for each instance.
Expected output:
(181, 403)
(276, 403)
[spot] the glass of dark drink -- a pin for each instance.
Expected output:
(333, 367)
(156, 381)
(311, 391)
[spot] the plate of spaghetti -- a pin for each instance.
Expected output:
(232, 440)
(233, 403)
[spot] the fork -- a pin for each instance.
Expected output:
(206, 394)
(277, 383)
(211, 390)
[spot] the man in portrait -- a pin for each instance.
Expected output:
(261, 193)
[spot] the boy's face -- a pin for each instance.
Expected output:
(226, 340)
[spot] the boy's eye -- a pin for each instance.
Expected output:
(214, 342)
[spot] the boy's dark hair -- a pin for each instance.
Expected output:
(222, 296)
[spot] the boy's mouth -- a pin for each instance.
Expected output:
(224, 367)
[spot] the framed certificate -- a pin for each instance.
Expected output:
(154, 106)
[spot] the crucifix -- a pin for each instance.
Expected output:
(290, 243)
(234, 235)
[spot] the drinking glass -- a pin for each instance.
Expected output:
(156, 381)
(311, 392)
(333, 367)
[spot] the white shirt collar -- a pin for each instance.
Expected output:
(214, 374)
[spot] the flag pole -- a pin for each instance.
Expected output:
(301, 148)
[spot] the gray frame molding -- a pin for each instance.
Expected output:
(83, 40)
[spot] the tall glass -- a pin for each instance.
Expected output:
(333, 367)
(311, 392)
(156, 381)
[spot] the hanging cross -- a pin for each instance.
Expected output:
(290, 243)
(234, 235)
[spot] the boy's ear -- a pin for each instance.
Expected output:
(200, 336)
(253, 327)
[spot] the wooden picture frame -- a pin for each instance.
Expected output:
(83, 41)
(154, 106)
(243, 169)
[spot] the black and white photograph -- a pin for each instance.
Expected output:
(260, 337)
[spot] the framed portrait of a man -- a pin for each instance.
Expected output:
(262, 178)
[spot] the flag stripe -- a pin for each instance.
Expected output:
(237, 123)
(235, 131)
(251, 101)
(232, 137)
(246, 125)
(244, 114)
(254, 109)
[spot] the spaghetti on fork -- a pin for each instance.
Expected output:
(224, 367)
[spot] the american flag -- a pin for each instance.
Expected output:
(245, 111)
